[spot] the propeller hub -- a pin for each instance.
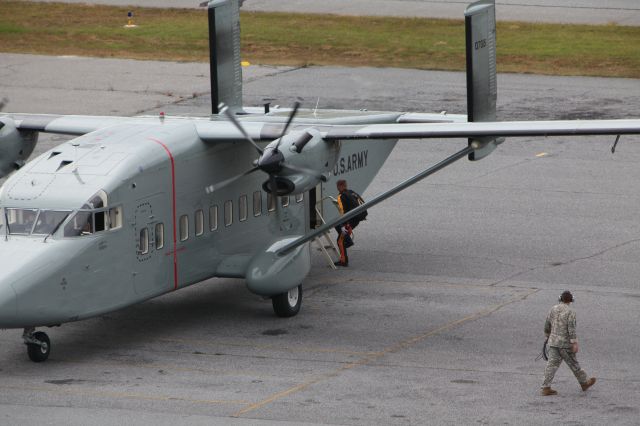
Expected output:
(271, 161)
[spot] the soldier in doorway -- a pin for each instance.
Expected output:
(346, 202)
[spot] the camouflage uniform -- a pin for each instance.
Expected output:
(560, 328)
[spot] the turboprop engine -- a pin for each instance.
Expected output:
(15, 146)
(298, 162)
(295, 162)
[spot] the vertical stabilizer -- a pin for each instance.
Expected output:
(224, 54)
(482, 90)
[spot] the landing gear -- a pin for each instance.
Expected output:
(38, 344)
(287, 304)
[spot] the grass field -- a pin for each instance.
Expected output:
(305, 39)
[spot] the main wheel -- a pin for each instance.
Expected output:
(39, 353)
(288, 304)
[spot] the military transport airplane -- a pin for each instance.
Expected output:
(136, 207)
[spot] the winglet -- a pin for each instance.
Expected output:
(482, 91)
(224, 54)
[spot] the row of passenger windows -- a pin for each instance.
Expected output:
(243, 209)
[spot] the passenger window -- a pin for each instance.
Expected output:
(228, 212)
(115, 217)
(242, 208)
(199, 220)
(285, 201)
(213, 218)
(271, 202)
(143, 247)
(257, 203)
(159, 234)
(299, 198)
(184, 227)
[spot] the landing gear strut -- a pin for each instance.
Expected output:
(38, 344)
(288, 304)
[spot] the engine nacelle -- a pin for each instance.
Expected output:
(310, 158)
(270, 274)
(15, 146)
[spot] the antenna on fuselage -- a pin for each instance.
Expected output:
(224, 54)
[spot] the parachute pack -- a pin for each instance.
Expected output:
(356, 200)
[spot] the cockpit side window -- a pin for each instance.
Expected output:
(100, 220)
(21, 221)
(115, 217)
(80, 224)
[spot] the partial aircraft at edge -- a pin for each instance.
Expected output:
(149, 205)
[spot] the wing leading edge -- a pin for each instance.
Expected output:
(485, 129)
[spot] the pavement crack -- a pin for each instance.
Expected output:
(600, 253)
(568, 262)
(276, 72)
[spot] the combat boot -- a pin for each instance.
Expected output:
(548, 391)
(586, 385)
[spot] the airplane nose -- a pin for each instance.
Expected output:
(8, 306)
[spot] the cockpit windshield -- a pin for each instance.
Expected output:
(32, 221)
(20, 221)
(93, 217)
(48, 221)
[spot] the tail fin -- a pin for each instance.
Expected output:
(482, 90)
(224, 54)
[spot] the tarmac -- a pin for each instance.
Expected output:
(619, 12)
(439, 317)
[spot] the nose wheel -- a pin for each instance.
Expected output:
(38, 345)
(287, 304)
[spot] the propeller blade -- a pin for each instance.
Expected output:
(274, 193)
(225, 110)
(212, 188)
(273, 186)
(286, 126)
(305, 171)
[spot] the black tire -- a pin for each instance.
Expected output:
(39, 353)
(288, 304)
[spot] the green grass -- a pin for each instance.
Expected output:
(304, 39)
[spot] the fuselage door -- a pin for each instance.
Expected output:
(151, 267)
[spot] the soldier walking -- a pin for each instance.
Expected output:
(560, 329)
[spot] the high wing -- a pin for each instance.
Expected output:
(209, 129)
(475, 131)
(486, 129)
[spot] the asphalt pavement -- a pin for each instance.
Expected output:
(438, 319)
(620, 12)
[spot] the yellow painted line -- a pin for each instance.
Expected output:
(120, 395)
(542, 154)
(376, 355)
